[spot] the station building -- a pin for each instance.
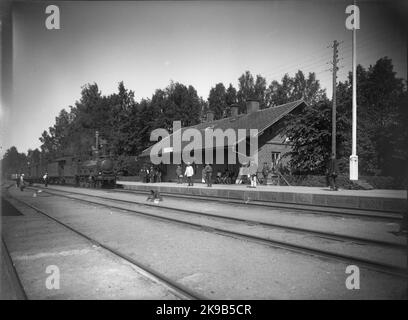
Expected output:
(271, 148)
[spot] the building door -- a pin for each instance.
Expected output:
(275, 160)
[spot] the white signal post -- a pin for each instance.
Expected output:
(354, 157)
(353, 23)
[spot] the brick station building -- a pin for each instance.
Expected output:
(272, 145)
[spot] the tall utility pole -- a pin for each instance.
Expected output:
(354, 157)
(335, 68)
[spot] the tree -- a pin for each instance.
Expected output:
(380, 118)
(381, 127)
(217, 100)
(310, 136)
(246, 90)
(176, 102)
(260, 91)
(231, 95)
(291, 89)
(121, 116)
(13, 161)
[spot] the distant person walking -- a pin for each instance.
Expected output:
(18, 181)
(189, 174)
(208, 174)
(179, 173)
(45, 178)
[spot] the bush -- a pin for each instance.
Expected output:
(127, 166)
(343, 181)
(382, 182)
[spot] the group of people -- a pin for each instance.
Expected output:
(188, 173)
(21, 183)
(227, 177)
(247, 171)
(151, 174)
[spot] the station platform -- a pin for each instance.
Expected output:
(376, 200)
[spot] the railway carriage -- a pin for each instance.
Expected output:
(97, 170)
(73, 171)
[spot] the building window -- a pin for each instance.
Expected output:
(275, 159)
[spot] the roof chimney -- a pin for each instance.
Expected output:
(252, 106)
(234, 110)
(210, 116)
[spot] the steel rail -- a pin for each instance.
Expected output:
(314, 209)
(326, 235)
(180, 290)
(369, 264)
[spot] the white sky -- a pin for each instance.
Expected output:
(147, 44)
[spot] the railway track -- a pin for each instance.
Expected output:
(319, 210)
(176, 288)
(349, 259)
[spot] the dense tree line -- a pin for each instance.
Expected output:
(125, 124)
(382, 126)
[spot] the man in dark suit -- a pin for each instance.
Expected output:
(333, 173)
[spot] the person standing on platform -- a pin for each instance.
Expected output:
(18, 181)
(45, 178)
(253, 170)
(333, 173)
(159, 175)
(327, 174)
(265, 172)
(22, 183)
(179, 173)
(143, 174)
(242, 172)
(203, 175)
(152, 174)
(189, 174)
(208, 174)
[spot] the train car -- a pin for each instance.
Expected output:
(63, 170)
(96, 172)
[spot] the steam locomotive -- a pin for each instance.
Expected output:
(97, 172)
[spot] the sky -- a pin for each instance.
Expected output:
(198, 43)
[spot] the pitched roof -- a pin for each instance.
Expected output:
(260, 120)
